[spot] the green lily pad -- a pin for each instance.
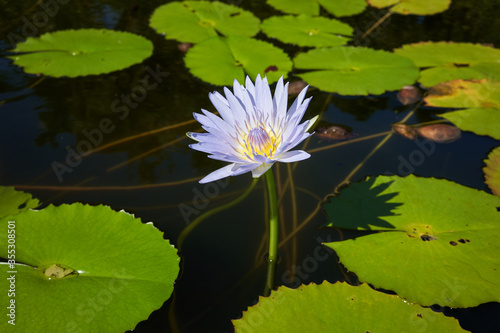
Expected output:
(311, 7)
(84, 268)
(492, 171)
(355, 70)
(479, 121)
(440, 242)
(13, 202)
(195, 21)
(304, 30)
(81, 52)
(221, 60)
(482, 98)
(449, 61)
(415, 7)
(332, 307)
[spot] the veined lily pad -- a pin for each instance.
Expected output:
(332, 307)
(415, 7)
(355, 70)
(81, 52)
(449, 61)
(304, 30)
(482, 98)
(311, 7)
(13, 202)
(83, 268)
(492, 171)
(195, 21)
(440, 242)
(221, 60)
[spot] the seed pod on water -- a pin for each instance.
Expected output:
(405, 130)
(409, 95)
(335, 132)
(441, 133)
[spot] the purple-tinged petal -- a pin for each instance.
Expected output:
(293, 156)
(244, 168)
(203, 137)
(227, 158)
(218, 174)
(219, 123)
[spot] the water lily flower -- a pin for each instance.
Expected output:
(254, 130)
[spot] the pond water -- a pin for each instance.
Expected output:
(155, 175)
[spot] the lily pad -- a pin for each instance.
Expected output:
(312, 7)
(195, 21)
(221, 60)
(84, 268)
(13, 202)
(465, 94)
(440, 242)
(304, 30)
(449, 61)
(355, 70)
(415, 7)
(332, 307)
(81, 52)
(479, 121)
(492, 171)
(482, 98)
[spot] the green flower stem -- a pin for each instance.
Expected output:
(199, 219)
(273, 232)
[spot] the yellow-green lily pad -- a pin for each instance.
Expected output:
(481, 98)
(492, 171)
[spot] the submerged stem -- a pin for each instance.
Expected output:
(273, 232)
(199, 219)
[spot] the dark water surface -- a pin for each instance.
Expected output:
(223, 268)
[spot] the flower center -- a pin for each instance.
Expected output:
(260, 142)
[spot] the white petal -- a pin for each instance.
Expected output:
(293, 156)
(244, 168)
(261, 169)
(218, 174)
(250, 87)
(219, 123)
(298, 101)
(222, 106)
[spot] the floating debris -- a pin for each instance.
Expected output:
(335, 132)
(295, 87)
(440, 133)
(405, 130)
(409, 95)
(184, 47)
